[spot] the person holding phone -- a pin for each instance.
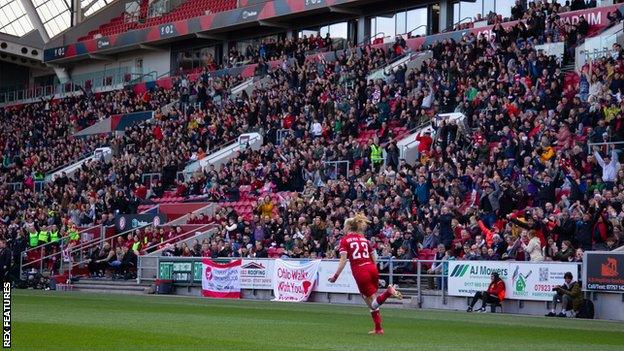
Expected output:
(569, 295)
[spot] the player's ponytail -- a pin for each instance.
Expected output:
(358, 223)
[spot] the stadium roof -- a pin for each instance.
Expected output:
(54, 14)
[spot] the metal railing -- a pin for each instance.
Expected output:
(413, 276)
(144, 269)
(209, 209)
(452, 27)
(201, 228)
(598, 46)
(408, 274)
(282, 134)
(409, 33)
(610, 145)
(184, 176)
(72, 162)
(15, 186)
(369, 39)
(44, 248)
(333, 169)
(148, 178)
(143, 77)
(79, 251)
(100, 80)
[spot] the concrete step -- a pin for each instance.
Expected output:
(108, 281)
(110, 286)
(107, 291)
(107, 285)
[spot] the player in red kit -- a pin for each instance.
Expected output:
(355, 248)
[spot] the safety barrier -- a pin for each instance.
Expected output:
(526, 281)
(98, 81)
(282, 134)
(46, 253)
(334, 169)
(148, 179)
(610, 145)
(38, 185)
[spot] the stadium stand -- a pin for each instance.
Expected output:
(516, 167)
(187, 9)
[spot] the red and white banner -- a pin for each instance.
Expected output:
(221, 280)
(293, 280)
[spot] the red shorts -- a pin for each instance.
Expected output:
(366, 278)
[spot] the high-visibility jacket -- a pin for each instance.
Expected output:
(376, 154)
(73, 234)
(33, 239)
(54, 236)
(43, 236)
(136, 245)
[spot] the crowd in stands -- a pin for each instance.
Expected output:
(277, 49)
(514, 186)
(514, 180)
(524, 11)
(38, 141)
(265, 50)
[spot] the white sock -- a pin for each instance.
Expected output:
(553, 311)
(375, 305)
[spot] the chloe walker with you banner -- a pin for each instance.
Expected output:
(293, 280)
(221, 280)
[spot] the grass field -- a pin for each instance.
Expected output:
(86, 321)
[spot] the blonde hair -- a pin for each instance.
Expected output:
(357, 223)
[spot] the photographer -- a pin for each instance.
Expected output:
(495, 293)
(570, 296)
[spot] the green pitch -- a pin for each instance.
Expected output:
(83, 321)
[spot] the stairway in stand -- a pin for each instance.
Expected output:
(104, 285)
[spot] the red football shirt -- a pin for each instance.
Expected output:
(358, 249)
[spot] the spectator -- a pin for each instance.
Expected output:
(494, 295)
(569, 295)
(440, 266)
(565, 254)
(610, 167)
(533, 248)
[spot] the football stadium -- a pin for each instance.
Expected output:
(312, 174)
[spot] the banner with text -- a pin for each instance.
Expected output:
(257, 273)
(523, 280)
(128, 222)
(604, 271)
(221, 280)
(293, 280)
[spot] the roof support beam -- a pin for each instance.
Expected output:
(273, 24)
(151, 48)
(88, 6)
(35, 20)
(210, 36)
(77, 11)
(100, 57)
(336, 9)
